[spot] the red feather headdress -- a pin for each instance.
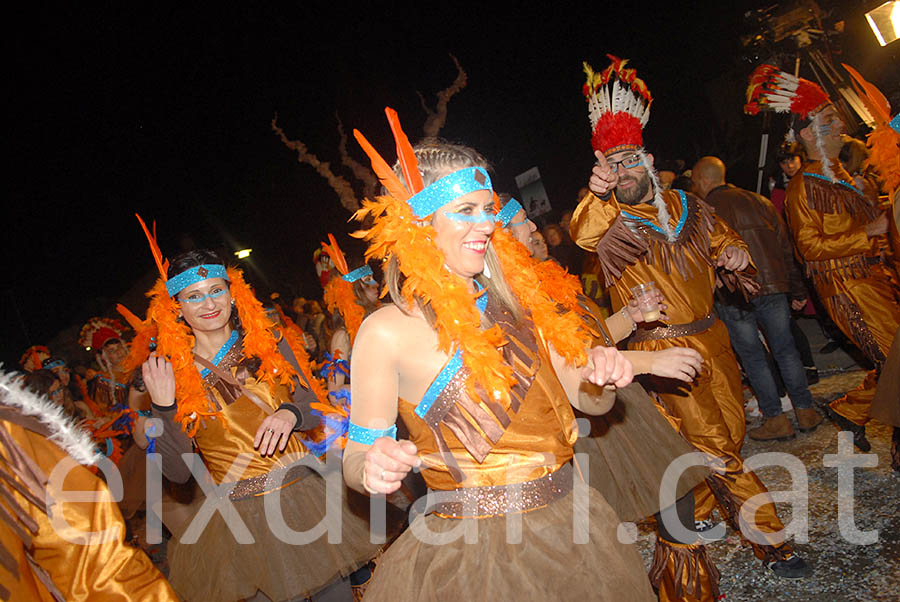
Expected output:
(618, 106)
(771, 89)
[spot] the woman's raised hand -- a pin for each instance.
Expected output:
(160, 380)
(387, 462)
(607, 366)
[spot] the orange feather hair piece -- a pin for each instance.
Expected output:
(408, 164)
(386, 175)
(162, 264)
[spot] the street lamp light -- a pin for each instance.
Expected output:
(885, 22)
(243, 253)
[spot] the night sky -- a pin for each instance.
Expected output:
(167, 111)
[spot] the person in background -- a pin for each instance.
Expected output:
(753, 217)
(840, 233)
(643, 234)
(540, 246)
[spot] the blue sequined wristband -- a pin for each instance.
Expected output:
(361, 434)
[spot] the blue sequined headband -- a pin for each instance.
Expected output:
(449, 188)
(193, 275)
(895, 123)
(509, 211)
(357, 274)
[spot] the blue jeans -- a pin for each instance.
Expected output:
(772, 315)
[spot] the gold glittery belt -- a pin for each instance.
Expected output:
(675, 330)
(496, 500)
(269, 482)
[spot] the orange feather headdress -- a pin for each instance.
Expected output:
(339, 295)
(397, 232)
(883, 141)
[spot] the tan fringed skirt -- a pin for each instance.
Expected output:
(629, 449)
(545, 565)
(218, 568)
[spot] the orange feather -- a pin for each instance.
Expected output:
(870, 95)
(161, 263)
(337, 256)
(405, 154)
(385, 174)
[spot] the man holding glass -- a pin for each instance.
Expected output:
(642, 234)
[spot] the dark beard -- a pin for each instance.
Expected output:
(636, 194)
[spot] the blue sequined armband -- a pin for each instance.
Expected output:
(361, 434)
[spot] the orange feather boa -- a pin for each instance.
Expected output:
(339, 296)
(541, 292)
(397, 232)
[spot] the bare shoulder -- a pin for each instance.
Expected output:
(388, 327)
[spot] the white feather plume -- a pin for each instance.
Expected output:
(662, 212)
(63, 430)
(820, 146)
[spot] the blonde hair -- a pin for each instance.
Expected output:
(437, 158)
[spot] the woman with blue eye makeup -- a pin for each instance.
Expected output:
(225, 383)
(483, 368)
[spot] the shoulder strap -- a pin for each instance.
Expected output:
(231, 380)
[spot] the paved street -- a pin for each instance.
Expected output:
(842, 571)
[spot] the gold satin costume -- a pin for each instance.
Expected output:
(217, 566)
(849, 270)
(108, 571)
(472, 451)
(711, 407)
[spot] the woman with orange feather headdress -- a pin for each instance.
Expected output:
(225, 382)
(483, 367)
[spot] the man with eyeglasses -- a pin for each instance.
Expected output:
(642, 233)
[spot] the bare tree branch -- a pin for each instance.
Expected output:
(340, 185)
(360, 172)
(437, 117)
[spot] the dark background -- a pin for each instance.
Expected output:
(166, 111)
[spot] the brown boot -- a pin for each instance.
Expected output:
(808, 419)
(773, 428)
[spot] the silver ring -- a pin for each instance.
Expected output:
(271, 430)
(382, 475)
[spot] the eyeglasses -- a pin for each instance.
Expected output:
(628, 163)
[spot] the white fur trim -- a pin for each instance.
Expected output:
(63, 430)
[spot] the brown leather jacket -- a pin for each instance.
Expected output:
(755, 219)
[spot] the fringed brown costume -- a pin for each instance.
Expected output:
(849, 269)
(710, 409)
(495, 467)
(40, 562)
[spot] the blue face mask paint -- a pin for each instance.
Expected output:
(825, 129)
(198, 298)
(476, 218)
